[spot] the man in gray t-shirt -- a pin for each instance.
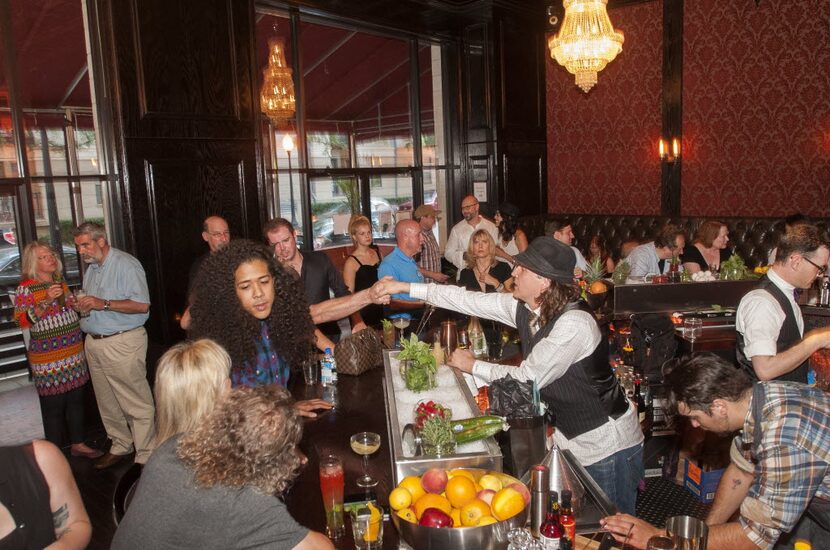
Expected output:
(170, 511)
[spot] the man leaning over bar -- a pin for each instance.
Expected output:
(778, 476)
(566, 354)
(769, 323)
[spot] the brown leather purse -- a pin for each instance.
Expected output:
(359, 352)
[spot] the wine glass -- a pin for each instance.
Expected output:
(400, 323)
(365, 443)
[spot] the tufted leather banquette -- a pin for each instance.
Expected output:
(752, 238)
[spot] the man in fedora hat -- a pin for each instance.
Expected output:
(566, 353)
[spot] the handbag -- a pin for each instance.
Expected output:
(358, 352)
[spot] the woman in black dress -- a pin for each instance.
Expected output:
(483, 272)
(361, 268)
(709, 248)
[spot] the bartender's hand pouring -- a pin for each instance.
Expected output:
(462, 359)
(629, 530)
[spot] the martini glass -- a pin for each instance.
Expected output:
(364, 444)
(400, 323)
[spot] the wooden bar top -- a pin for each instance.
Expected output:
(360, 409)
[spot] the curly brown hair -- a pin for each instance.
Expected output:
(554, 300)
(217, 313)
(249, 439)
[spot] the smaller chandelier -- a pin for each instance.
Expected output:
(587, 41)
(277, 95)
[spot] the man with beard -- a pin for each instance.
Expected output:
(778, 476)
(460, 235)
(118, 303)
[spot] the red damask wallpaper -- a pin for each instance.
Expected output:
(756, 108)
(602, 146)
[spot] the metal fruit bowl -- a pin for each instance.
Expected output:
(486, 537)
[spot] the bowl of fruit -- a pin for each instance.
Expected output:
(464, 508)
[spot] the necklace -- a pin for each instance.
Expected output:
(482, 275)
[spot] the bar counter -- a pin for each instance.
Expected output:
(360, 409)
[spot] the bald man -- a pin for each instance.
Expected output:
(216, 234)
(462, 231)
(401, 266)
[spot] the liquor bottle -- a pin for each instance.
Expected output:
(478, 343)
(566, 516)
(550, 534)
(642, 407)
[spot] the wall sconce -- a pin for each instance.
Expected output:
(670, 155)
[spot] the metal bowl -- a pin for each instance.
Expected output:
(486, 537)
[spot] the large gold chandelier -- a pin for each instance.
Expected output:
(587, 41)
(277, 95)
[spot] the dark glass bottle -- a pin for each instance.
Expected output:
(642, 407)
(550, 534)
(566, 516)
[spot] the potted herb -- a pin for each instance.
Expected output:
(418, 365)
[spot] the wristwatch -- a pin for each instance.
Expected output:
(106, 305)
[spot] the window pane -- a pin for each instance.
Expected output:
(45, 144)
(289, 198)
(388, 194)
(333, 202)
(432, 105)
(328, 149)
(357, 85)
(8, 158)
(86, 145)
(54, 225)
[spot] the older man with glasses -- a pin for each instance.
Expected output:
(461, 232)
(770, 345)
(650, 258)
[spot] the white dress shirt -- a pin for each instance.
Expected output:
(644, 261)
(581, 262)
(574, 337)
(759, 317)
(459, 240)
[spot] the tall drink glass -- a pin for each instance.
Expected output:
(331, 488)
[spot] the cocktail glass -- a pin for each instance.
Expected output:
(331, 488)
(692, 328)
(400, 323)
(365, 443)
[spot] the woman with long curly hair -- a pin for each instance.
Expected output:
(565, 354)
(218, 485)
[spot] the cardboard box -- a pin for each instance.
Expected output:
(701, 483)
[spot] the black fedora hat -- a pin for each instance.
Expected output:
(549, 258)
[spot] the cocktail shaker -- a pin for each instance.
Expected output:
(449, 337)
(539, 481)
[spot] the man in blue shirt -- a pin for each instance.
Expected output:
(401, 266)
(116, 306)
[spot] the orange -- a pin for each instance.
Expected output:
(413, 485)
(431, 500)
(400, 498)
(507, 503)
(460, 490)
(461, 472)
(456, 517)
(487, 520)
(597, 287)
(472, 513)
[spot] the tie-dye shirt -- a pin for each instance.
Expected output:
(268, 367)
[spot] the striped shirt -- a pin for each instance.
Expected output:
(791, 461)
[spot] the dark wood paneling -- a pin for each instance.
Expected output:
(524, 177)
(672, 110)
(184, 94)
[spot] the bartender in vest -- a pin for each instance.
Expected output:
(768, 321)
(566, 353)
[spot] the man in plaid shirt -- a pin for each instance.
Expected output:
(778, 479)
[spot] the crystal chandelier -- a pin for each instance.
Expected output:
(277, 96)
(587, 41)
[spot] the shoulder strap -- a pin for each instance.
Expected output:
(355, 259)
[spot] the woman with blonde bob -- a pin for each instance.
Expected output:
(216, 486)
(190, 378)
(483, 272)
(361, 268)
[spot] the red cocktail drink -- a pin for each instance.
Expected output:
(331, 489)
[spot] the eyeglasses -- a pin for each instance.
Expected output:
(216, 234)
(469, 206)
(821, 270)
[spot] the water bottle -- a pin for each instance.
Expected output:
(328, 375)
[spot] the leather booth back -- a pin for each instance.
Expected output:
(752, 238)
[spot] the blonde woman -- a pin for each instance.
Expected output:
(190, 379)
(361, 268)
(43, 304)
(483, 272)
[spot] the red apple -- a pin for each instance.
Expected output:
(434, 480)
(486, 495)
(433, 517)
(522, 488)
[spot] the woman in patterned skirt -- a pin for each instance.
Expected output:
(56, 352)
